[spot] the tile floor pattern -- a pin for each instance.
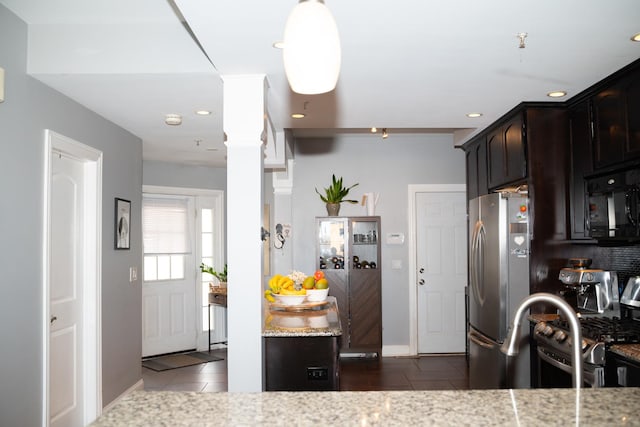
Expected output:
(433, 372)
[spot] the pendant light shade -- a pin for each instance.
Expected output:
(311, 50)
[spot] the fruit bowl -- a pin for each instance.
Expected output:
(317, 295)
(289, 299)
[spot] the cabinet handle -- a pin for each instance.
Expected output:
(421, 282)
(53, 319)
(421, 270)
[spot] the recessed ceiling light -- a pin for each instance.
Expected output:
(557, 94)
(278, 45)
(298, 116)
(474, 115)
(636, 37)
(203, 112)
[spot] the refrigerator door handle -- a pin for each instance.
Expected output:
(481, 341)
(477, 263)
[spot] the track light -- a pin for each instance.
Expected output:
(384, 133)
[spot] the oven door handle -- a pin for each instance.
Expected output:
(482, 342)
(595, 377)
(553, 362)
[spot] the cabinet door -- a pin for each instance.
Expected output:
(581, 165)
(495, 158)
(476, 160)
(632, 107)
(366, 311)
(610, 130)
(514, 148)
(506, 153)
(339, 288)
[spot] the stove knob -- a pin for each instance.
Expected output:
(560, 336)
(539, 327)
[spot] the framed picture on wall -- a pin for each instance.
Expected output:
(123, 224)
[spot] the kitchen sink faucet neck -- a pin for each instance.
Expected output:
(510, 345)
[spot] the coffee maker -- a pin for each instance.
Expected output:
(591, 292)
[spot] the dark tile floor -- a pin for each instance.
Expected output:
(432, 372)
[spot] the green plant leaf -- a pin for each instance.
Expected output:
(336, 192)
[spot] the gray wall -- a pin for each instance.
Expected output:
(29, 108)
(383, 166)
(175, 175)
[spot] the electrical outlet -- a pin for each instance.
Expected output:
(133, 274)
(317, 374)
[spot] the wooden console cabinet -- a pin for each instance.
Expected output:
(348, 251)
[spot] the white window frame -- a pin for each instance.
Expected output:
(211, 199)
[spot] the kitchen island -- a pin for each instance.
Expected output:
(548, 407)
(302, 347)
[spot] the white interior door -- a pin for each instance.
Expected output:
(72, 383)
(441, 263)
(66, 293)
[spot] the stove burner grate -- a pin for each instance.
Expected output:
(606, 329)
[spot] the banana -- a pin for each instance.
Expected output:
(269, 296)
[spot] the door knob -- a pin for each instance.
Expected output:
(421, 282)
(53, 319)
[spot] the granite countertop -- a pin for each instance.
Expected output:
(318, 320)
(548, 407)
(630, 351)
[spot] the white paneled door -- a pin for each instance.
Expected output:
(66, 293)
(169, 316)
(441, 262)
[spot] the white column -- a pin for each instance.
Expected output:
(244, 123)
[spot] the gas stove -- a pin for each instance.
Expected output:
(598, 333)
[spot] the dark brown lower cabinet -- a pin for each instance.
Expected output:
(302, 363)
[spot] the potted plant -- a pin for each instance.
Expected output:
(221, 276)
(334, 195)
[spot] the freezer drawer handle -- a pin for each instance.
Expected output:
(481, 342)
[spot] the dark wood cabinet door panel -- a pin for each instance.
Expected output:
(366, 306)
(496, 165)
(632, 104)
(339, 288)
(515, 150)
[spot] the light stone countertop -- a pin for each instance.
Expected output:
(287, 322)
(541, 407)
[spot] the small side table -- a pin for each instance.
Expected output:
(217, 296)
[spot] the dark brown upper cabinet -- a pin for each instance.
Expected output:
(506, 153)
(616, 121)
(476, 159)
(581, 164)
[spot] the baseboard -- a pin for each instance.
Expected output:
(137, 386)
(396, 350)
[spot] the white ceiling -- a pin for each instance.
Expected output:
(407, 65)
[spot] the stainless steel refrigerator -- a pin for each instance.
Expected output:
(498, 281)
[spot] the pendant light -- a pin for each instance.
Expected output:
(311, 51)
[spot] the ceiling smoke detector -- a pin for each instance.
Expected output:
(173, 119)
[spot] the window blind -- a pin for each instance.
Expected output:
(165, 225)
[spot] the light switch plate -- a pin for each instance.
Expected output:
(133, 274)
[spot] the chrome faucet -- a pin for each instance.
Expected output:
(510, 346)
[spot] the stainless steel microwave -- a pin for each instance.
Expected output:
(614, 206)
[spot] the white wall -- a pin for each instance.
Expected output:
(29, 108)
(384, 166)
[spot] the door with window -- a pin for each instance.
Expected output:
(181, 229)
(168, 291)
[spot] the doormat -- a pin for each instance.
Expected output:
(173, 361)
